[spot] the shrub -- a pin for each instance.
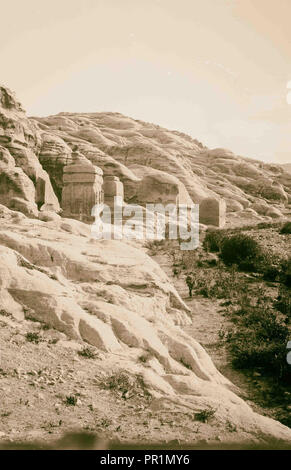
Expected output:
(217, 283)
(271, 273)
(87, 353)
(283, 302)
(286, 228)
(71, 400)
(144, 358)
(33, 337)
(259, 340)
(270, 265)
(185, 364)
(212, 241)
(190, 259)
(242, 250)
(4, 313)
(104, 423)
(127, 386)
(248, 354)
(286, 272)
(205, 415)
(155, 245)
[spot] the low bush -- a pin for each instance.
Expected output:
(271, 274)
(217, 283)
(71, 400)
(259, 340)
(270, 265)
(286, 272)
(286, 228)
(205, 415)
(283, 302)
(213, 240)
(88, 353)
(32, 337)
(242, 250)
(126, 385)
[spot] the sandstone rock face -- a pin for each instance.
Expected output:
(156, 165)
(15, 183)
(54, 155)
(109, 293)
(20, 142)
(287, 167)
(113, 296)
(274, 213)
(156, 187)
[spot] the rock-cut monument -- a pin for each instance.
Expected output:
(212, 211)
(113, 187)
(82, 188)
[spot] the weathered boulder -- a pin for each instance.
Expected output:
(28, 208)
(14, 183)
(274, 212)
(260, 207)
(20, 166)
(54, 155)
(155, 186)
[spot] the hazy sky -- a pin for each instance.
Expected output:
(215, 69)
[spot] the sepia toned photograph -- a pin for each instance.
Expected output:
(145, 228)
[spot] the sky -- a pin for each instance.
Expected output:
(218, 70)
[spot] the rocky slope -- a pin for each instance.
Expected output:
(287, 167)
(145, 155)
(114, 297)
(110, 294)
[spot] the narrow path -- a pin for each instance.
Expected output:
(208, 322)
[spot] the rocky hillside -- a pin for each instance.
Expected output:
(145, 155)
(56, 280)
(287, 167)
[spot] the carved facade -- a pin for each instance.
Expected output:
(212, 211)
(82, 190)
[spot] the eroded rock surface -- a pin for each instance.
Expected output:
(153, 163)
(113, 296)
(109, 293)
(168, 163)
(21, 171)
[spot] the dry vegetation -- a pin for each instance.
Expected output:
(249, 270)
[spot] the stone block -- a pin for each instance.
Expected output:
(113, 187)
(212, 211)
(82, 190)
